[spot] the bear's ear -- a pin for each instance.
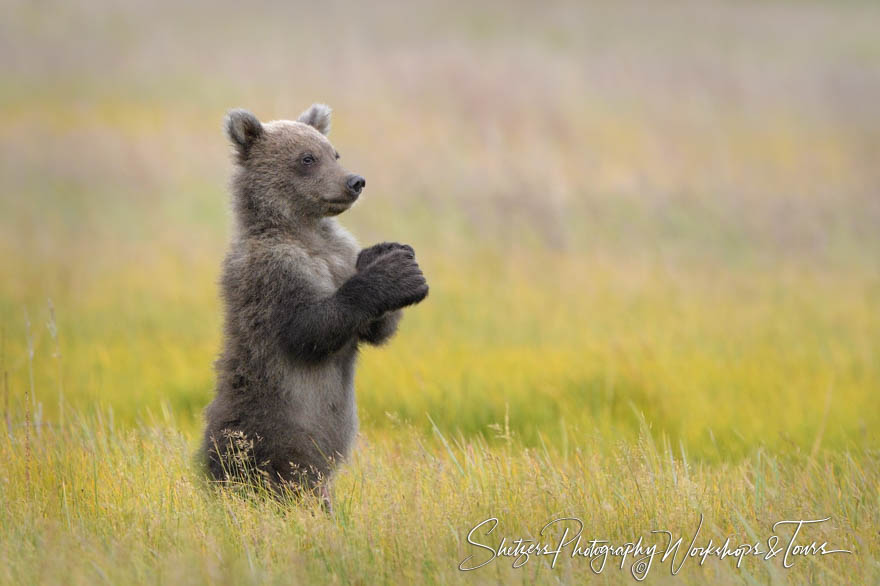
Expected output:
(318, 115)
(243, 129)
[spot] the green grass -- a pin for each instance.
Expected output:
(652, 249)
(630, 397)
(751, 358)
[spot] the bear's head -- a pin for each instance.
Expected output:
(289, 168)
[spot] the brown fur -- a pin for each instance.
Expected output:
(299, 298)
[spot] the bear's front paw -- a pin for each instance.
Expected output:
(396, 279)
(408, 284)
(368, 255)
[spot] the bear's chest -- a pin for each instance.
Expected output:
(331, 258)
(332, 271)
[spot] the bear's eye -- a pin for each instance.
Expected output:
(308, 160)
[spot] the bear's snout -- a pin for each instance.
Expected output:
(355, 184)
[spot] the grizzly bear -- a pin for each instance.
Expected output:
(299, 296)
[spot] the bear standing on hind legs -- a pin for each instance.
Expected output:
(299, 298)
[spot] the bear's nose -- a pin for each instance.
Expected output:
(355, 184)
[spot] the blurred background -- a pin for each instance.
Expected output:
(621, 208)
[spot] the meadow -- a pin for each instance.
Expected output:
(653, 249)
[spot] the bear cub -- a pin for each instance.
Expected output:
(299, 297)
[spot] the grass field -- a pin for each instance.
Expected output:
(653, 249)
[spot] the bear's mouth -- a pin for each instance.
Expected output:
(342, 203)
(337, 206)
